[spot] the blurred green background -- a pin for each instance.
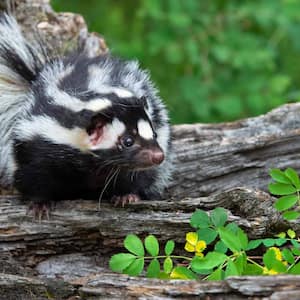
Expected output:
(212, 60)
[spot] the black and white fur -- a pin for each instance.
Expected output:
(64, 124)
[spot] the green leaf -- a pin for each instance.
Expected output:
(295, 244)
(296, 251)
(281, 235)
(286, 202)
(229, 239)
(218, 216)
(163, 275)
(269, 242)
(134, 245)
(268, 258)
(240, 263)
(252, 269)
(280, 241)
(254, 244)
(218, 274)
(279, 266)
(279, 176)
(183, 273)
(293, 176)
(243, 238)
(220, 247)
(295, 269)
(232, 227)
(135, 268)
(281, 189)
(211, 260)
(207, 234)
(288, 255)
(270, 261)
(200, 219)
(291, 215)
(153, 268)
(169, 247)
(168, 265)
(204, 271)
(231, 269)
(121, 261)
(151, 244)
(291, 233)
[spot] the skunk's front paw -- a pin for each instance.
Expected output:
(125, 199)
(39, 210)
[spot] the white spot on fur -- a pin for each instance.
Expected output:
(110, 136)
(144, 129)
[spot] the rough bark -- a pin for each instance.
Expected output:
(216, 157)
(114, 286)
(75, 244)
(214, 165)
(78, 226)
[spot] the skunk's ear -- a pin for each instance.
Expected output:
(95, 129)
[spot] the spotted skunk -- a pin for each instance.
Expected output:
(78, 127)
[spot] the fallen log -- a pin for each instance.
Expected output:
(115, 286)
(211, 158)
(79, 226)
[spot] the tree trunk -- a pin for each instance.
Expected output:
(214, 165)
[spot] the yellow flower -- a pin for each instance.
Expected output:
(266, 271)
(278, 254)
(193, 245)
(200, 246)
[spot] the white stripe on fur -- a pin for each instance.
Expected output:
(99, 82)
(163, 136)
(76, 137)
(52, 75)
(52, 131)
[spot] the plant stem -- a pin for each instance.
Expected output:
(296, 260)
(254, 262)
(171, 256)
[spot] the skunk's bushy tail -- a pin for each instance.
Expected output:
(19, 65)
(19, 61)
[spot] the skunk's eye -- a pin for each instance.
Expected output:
(127, 141)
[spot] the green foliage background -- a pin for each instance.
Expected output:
(212, 60)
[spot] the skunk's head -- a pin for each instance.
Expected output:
(125, 132)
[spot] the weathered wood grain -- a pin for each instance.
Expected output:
(78, 226)
(114, 286)
(215, 157)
